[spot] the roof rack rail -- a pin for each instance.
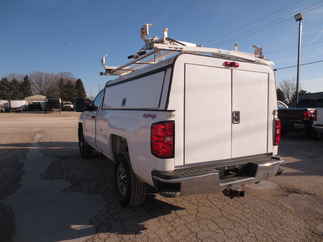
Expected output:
(158, 49)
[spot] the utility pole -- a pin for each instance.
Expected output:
(299, 18)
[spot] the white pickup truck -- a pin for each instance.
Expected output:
(200, 120)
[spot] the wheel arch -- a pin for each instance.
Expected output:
(119, 145)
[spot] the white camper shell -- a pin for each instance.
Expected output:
(192, 123)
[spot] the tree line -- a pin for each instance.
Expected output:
(286, 92)
(63, 85)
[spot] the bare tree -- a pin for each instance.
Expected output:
(18, 77)
(288, 87)
(45, 83)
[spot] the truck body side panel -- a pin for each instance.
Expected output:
(129, 109)
(134, 126)
(272, 112)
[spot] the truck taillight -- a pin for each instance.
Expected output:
(277, 134)
(163, 139)
(310, 115)
(231, 64)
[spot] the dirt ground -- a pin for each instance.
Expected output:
(65, 198)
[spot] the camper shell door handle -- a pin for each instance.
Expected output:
(236, 117)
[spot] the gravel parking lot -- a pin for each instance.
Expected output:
(64, 198)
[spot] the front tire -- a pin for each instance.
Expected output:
(130, 190)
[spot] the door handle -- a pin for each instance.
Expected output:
(236, 117)
(92, 116)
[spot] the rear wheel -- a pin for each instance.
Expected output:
(130, 190)
(85, 148)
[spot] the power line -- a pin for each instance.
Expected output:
(293, 66)
(259, 21)
(285, 19)
(279, 16)
(305, 46)
(249, 25)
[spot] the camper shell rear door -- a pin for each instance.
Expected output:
(224, 112)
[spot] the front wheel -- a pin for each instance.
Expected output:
(131, 191)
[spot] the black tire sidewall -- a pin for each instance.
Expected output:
(85, 149)
(124, 200)
(82, 145)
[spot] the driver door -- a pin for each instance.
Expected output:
(90, 120)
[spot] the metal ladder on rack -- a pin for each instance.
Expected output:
(158, 49)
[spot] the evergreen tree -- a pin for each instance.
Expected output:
(15, 90)
(2, 89)
(62, 85)
(68, 91)
(79, 89)
(25, 87)
(5, 89)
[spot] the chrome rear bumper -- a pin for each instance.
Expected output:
(195, 180)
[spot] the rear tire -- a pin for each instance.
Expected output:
(85, 149)
(130, 190)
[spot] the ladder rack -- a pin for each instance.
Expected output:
(158, 49)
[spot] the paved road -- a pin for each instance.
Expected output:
(285, 208)
(44, 212)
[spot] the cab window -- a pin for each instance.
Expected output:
(98, 99)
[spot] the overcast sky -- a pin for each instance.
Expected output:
(71, 35)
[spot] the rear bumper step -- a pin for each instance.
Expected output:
(213, 177)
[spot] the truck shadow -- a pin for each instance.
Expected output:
(303, 155)
(96, 176)
(117, 220)
(91, 176)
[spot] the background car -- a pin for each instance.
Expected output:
(68, 106)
